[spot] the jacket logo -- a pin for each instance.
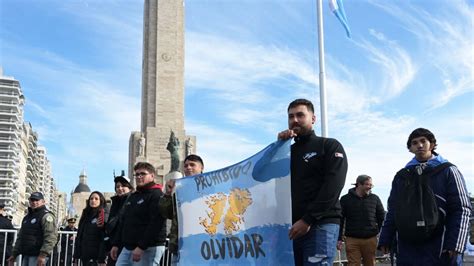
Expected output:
(49, 218)
(309, 155)
(140, 201)
(33, 221)
(94, 221)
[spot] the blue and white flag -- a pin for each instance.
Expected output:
(338, 9)
(238, 215)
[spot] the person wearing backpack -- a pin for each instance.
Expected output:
(428, 208)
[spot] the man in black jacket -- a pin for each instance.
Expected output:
(363, 215)
(318, 174)
(142, 228)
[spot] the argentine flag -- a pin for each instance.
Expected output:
(338, 9)
(239, 215)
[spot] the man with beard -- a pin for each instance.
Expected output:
(362, 219)
(318, 174)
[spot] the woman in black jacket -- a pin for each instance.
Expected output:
(123, 188)
(89, 246)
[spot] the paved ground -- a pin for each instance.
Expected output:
(467, 261)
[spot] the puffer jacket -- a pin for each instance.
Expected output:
(454, 206)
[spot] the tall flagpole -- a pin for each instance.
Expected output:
(322, 75)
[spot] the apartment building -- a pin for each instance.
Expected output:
(11, 121)
(24, 166)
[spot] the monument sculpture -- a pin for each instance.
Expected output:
(141, 146)
(189, 146)
(173, 148)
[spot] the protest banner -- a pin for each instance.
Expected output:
(238, 215)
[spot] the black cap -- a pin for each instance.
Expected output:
(2, 206)
(37, 196)
(122, 179)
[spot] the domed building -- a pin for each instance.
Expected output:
(80, 195)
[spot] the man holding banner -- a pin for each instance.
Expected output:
(318, 174)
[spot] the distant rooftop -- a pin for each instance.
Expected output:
(5, 77)
(82, 188)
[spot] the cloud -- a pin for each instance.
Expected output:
(247, 76)
(84, 116)
(346, 93)
(395, 64)
(217, 63)
(244, 77)
(220, 147)
(109, 25)
(447, 36)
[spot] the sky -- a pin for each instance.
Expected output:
(409, 64)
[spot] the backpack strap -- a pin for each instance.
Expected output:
(435, 170)
(405, 174)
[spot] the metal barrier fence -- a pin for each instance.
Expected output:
(62, 253)
(64, 250)
(7, 237)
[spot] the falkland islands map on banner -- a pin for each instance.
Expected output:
(238, 215)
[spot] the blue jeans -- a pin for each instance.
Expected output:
(151, 256)
(317, 247)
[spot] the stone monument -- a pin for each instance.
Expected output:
(162, 107)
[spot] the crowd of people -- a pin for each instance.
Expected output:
(133, 230)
